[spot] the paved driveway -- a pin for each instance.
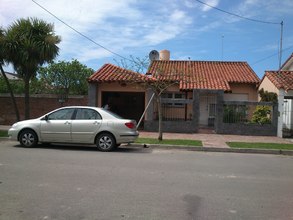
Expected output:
(78, 182)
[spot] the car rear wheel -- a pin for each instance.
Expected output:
(28, 138)
(105, 142)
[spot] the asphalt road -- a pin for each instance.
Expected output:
(74, 182)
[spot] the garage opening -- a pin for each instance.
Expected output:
(126, 104)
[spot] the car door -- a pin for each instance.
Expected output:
(57, 126)
(85, 125)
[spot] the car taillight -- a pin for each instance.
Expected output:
(130, 125)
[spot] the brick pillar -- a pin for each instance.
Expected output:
(92, 94)
(196, 110)
(150, 111)
(280, 112)
(219, 111)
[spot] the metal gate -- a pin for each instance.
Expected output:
(288, 117)
(207, 110)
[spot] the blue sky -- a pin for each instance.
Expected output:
(187, 28)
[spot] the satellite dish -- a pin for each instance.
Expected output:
(154, 55)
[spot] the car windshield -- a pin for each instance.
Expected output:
(112, 113)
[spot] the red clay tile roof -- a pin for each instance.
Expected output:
(111, 73)
(212, 75)
(281, 79)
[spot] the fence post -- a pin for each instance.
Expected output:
(219, 111)
(196, 110)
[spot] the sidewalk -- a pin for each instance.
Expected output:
(216, 142)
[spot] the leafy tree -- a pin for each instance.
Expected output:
(15, 85)
(2, 60)
(29, 44)
(261, 115)
(68, 77)
(268, 96)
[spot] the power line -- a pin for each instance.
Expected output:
(253, 20)
(258, 61)
(236, 15)
(83, 35)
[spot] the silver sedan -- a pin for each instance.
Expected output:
(76, 124)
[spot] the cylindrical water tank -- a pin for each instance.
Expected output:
(164, 55)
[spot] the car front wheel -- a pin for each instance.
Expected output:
(28, 138)
(105, 142)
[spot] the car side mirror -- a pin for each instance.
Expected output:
(46, 118)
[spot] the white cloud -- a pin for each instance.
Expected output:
(115, 24)
(213, 3)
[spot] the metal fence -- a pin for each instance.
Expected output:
(176, 110)
(248, 113)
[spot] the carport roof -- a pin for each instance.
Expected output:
(111, 73)
(281, 79)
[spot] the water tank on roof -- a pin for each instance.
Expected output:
(164, 55)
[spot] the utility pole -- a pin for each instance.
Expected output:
(281, 45)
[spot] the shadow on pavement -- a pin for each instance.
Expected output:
(78, 147)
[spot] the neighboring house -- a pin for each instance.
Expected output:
(281, 82)
(189, 103)
(12, 76)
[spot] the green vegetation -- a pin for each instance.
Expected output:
(261, 115)
(56, 78)
(260, 145)
(3, 134)
(27, 45)
(169, 141)
(66, 77)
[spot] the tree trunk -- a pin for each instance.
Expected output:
(26, 96)
(11, 94)
(160, 118)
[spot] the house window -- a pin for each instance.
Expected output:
(173, 97)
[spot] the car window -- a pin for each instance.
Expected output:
(87, 114)
(63, 114)
(113, 114)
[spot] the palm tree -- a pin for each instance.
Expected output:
(30, 43)
(2, 60)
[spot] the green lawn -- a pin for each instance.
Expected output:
(3, 134)
(260, 145)
(169, 141)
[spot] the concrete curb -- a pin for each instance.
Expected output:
(226, 150)
(208, 149)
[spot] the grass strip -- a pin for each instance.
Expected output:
(169, 142)
(277, 146)
(3, 134)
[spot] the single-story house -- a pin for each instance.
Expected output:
(193, 89)
(281, 83)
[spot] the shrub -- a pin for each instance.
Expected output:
(261, 115)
